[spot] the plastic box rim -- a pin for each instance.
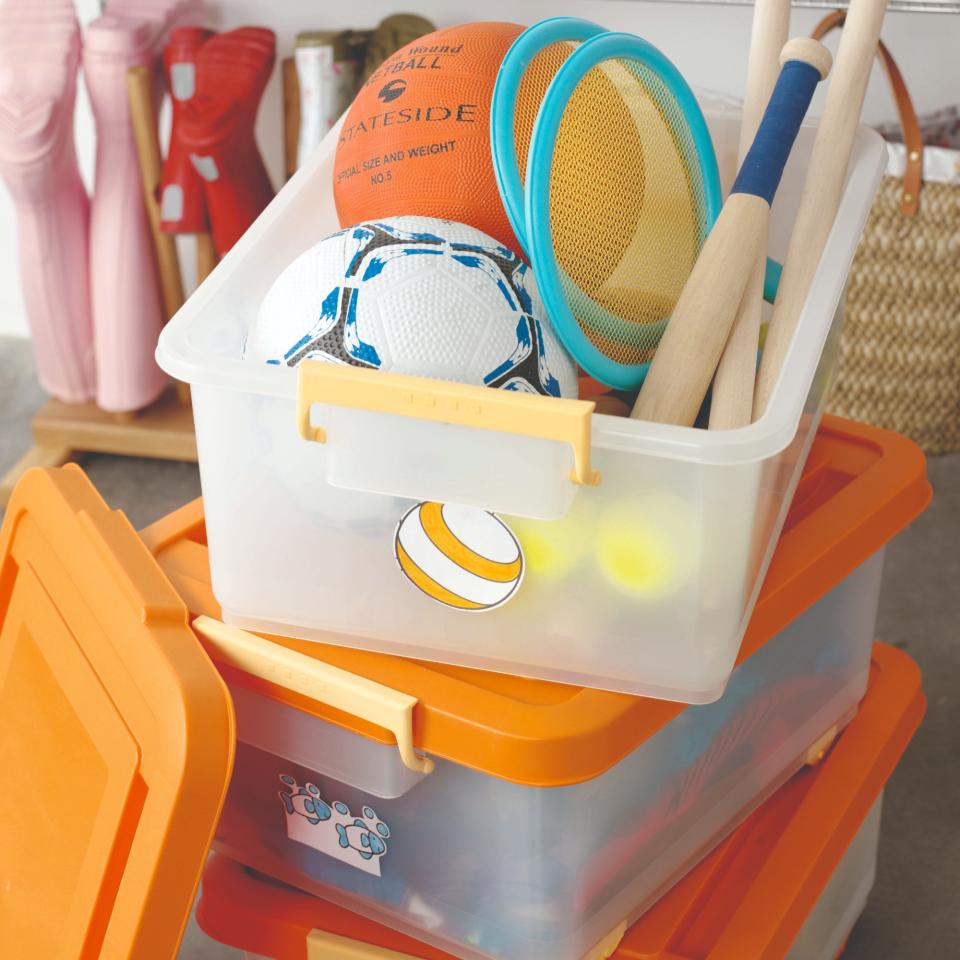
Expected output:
(758, 441)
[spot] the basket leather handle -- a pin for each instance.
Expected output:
(909, 125)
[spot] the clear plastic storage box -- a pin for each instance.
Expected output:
(790, 882)
(622, 555)
(229, 888)
(520, 819)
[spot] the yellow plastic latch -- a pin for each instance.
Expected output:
(819, 749)
(549, 418)
(328, 946)
(319, 681)
(606, 947)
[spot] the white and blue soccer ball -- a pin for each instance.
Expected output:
(415, 295)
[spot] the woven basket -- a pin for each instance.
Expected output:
(900, 346)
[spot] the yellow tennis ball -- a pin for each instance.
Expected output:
(552, 548)
(646, 544)
(462, 557)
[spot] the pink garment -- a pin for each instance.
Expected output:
(164, 16)
(127, 309)
(127, 305)
(39, 59)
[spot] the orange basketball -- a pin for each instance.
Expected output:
(416, 140)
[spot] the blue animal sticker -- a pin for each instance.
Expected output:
(331, 828)
(366, 838)
(306, 801)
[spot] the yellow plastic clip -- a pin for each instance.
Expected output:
(818, 750)
(608, 945)
(328, 946)
(565, 421)
(319, 681)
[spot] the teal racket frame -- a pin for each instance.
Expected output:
(533, 41)
(539, 233)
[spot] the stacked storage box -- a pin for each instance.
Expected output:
(790, 882)
(498, 817)
(534, 819)
(511, 793)
(639, 548)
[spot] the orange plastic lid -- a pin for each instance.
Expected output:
(746, 901)
(116, 734)
(860, 487)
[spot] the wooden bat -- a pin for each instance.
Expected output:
(824, 184)
(144, 117)
(690, 350)
(206, 256)
(291, 116)
(731, 404)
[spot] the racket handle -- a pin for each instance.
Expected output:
(820, 200)
(690, 350)
(731, 405)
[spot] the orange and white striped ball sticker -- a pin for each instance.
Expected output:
(462, 557)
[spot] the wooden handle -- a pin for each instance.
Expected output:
(291, 116)
(206, 256)
(733, 385)
(771, 22)
(820, 199)
(143, 115)
(690, 350)
(906, 114)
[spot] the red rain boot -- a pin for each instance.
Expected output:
(182, 204)
(218, 128)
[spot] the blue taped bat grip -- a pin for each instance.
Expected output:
(763, 165)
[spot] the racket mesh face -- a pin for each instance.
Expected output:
(533, 85)
(628, 210)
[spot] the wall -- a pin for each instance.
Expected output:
(709, 43)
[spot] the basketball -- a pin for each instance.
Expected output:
(416, 140)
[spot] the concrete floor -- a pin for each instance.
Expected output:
(914, 910)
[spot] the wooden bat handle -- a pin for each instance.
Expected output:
(291, 116)
(143, 115)
(820, 199)
(771, 23)
(690, 350)
(206, 256)
(733, 386)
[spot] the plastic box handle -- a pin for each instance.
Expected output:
(441, 401)
(328, 946)
(319, 681)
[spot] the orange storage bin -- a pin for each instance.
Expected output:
(491, 815)
(116, 734)
(790, 882)
(553, 815)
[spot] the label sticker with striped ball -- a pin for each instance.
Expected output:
(463, 557)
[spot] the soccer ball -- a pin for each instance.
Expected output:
(414, 295)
